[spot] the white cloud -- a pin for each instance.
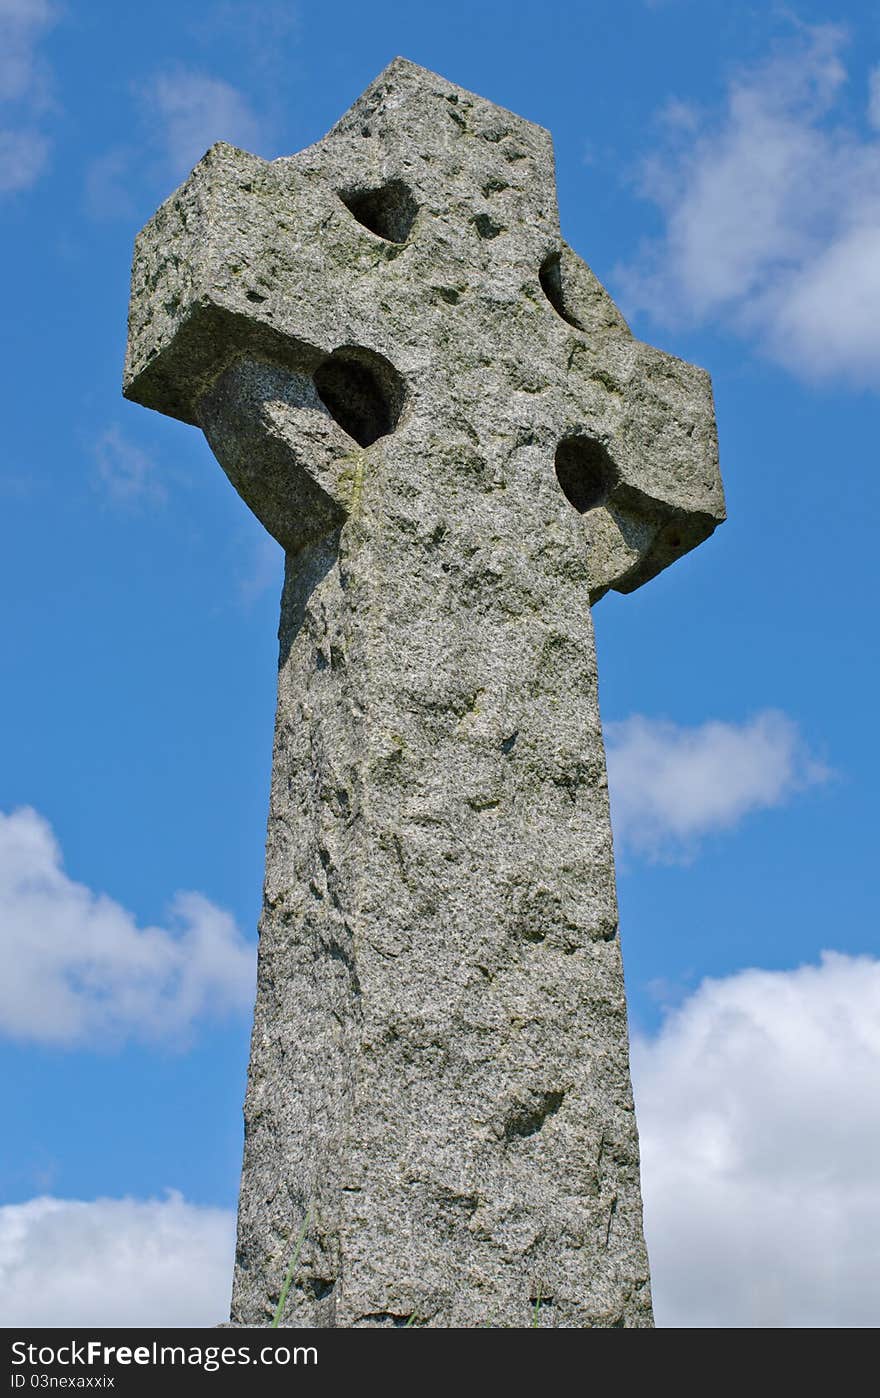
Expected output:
(115, 1262)
(24, 82)
(184, 111)
(125, 472)
(772, 215)
(24, 155)
(193, 110)
(22, 24)
(79, 971)
(759, 1120)
(671, 784)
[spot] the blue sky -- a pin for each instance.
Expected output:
(719, 168)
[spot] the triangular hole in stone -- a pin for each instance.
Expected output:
(389, 211)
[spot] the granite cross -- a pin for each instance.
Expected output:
(435, 408)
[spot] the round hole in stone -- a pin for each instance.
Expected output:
(585, 471)
(362, 391)
(553, 287)
(388, 211)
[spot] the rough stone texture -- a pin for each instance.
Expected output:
(433, 405)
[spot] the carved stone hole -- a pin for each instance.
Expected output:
(585, 471)
(362, 391)
(388, 211)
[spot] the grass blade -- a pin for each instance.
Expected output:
(288, 1280)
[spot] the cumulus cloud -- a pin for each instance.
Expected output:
(77, 968)
(759, 1121)
(115, 1262)
(192, 111)
(125, 473)
(24, 84)
(670, 785)
(772, 215)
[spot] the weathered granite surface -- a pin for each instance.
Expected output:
(433, 405)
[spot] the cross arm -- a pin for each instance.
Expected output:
(196, 289)
(666, 496)
(641, 444)
(230, 330)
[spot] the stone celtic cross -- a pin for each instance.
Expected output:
(438, 412)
